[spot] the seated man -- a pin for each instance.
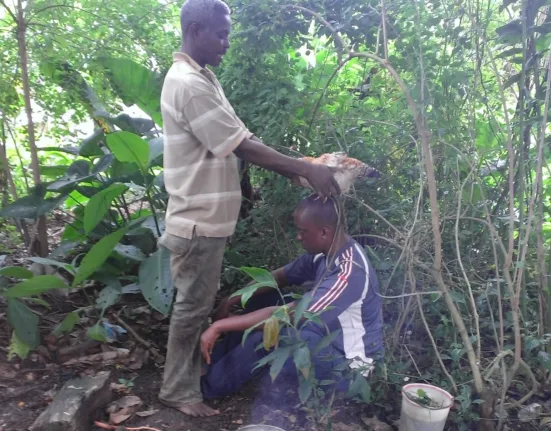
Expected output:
(345, 291)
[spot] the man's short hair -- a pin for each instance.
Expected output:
(201, 12)
(321, 213)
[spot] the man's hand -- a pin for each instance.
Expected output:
(208, 338)
(222, 311)
(322, 180)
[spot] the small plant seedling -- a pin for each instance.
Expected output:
(423, 399)
(128, 383)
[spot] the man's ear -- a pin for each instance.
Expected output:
(194, 30)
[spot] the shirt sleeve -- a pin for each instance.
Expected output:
(300, 270)
(218, 129)
(339, 290)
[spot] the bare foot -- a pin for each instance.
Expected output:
(198, 410)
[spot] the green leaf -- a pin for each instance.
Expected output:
(305, 390)
(53, 171)
(66, 324)
(16, 272)
(326, 341)
(129, 252)
(17, 348)
(97, 332)
(24, 322)
(135, 84)
(97, 255)
(129, 148)
(545, 359)
(262, 277)
(301, 308)
(99, 205)
(109, 295)
(156, 149)
(31, 207)
(302, 360)
(45, 261)
(249, 330)
(156, 281)
(89, 146)
(280, 357)
(103, 164)
(360, 386)
(34, 286)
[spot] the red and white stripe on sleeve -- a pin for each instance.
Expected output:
(338, 287)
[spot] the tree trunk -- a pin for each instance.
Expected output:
(39, 238)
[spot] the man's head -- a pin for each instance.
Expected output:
(317, 223)
(206, 27)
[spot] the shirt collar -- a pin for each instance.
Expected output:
(181, 56)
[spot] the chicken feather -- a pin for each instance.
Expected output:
(346, 170)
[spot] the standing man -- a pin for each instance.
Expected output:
(203, 136)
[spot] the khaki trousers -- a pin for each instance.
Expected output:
(195, 265)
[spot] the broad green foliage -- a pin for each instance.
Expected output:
(129, 148)
(135, 83)
(99, 205)
(156, 280)
(476, 75)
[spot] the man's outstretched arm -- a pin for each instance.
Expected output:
(232, 324)
(319, 176)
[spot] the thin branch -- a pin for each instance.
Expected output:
(10, 13)
(385, 38)
(465, 277)
(435, 347)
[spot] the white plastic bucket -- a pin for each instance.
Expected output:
(415, 417)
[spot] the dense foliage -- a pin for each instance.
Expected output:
(449, 100)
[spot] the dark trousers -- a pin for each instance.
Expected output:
(233, 363)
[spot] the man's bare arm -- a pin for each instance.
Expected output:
(319, 176)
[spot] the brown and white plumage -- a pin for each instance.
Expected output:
(347, 170)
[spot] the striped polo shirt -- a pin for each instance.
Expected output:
(201, 130)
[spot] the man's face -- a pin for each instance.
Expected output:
(312, 237)
(213, 39)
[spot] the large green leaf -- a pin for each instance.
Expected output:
(24, 322)
(31, 207)
(89, 147)
(280, 357)
(262, 278)
(130, 148)
(34, 286)
(79, 171)
(99, 205)
(67, 324)
(156, 280)
(135, 84)
(16, 272)
(97, 255)
(301, 357)
(156, 148)
(109, 295)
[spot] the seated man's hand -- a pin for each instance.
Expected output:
(208, 338)
(222, 311)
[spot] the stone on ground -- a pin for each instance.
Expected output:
(71, 408)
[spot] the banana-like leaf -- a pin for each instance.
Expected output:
(135, 84)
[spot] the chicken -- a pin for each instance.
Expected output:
(348, 170)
